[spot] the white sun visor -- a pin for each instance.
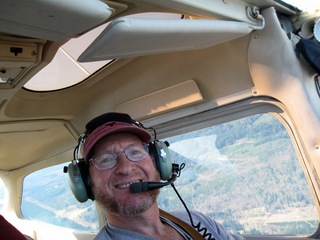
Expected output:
(132, 37)
(53, 20)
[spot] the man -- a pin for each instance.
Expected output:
(117, 155)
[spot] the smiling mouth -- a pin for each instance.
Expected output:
(123, 186)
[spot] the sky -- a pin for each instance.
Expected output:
(303, 4)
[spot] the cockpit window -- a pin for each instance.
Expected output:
(244, 174)
(47, 197)
(65, 71)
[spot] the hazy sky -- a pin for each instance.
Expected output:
(302, 4)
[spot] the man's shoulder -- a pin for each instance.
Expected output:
(102, 234)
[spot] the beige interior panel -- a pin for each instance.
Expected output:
(172, 98)
(53, 21)
(289, 80)
(32, 142)
(27, 126)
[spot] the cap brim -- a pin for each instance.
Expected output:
(144, 135)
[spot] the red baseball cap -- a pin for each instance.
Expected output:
(110, 123)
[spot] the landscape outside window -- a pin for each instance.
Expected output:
(47, 197)
(246, 175)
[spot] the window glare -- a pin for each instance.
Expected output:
(244, 174)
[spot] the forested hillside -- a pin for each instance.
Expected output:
(246, 175)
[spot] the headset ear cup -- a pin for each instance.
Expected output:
(155, 157)
(165, 162)
(84, 170)
(76, 184)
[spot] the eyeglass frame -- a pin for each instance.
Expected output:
(145, 146)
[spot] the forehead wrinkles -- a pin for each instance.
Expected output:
(112, 141)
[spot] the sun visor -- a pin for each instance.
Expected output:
(132, 37)
(52, 20)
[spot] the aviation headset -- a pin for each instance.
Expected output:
(78, 170)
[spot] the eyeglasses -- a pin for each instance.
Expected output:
(106, 160)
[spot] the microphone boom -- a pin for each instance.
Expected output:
(148, 186)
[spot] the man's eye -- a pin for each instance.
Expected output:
(136, 152)
(106, 160)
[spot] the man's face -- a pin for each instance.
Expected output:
(111, 186)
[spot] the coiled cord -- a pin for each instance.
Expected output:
(206, 235)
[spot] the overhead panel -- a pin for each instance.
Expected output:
(53, 20)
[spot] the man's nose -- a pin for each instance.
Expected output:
(124, 165)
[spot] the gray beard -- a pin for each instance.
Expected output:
(125, 208)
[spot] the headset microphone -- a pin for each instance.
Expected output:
(148, 186)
